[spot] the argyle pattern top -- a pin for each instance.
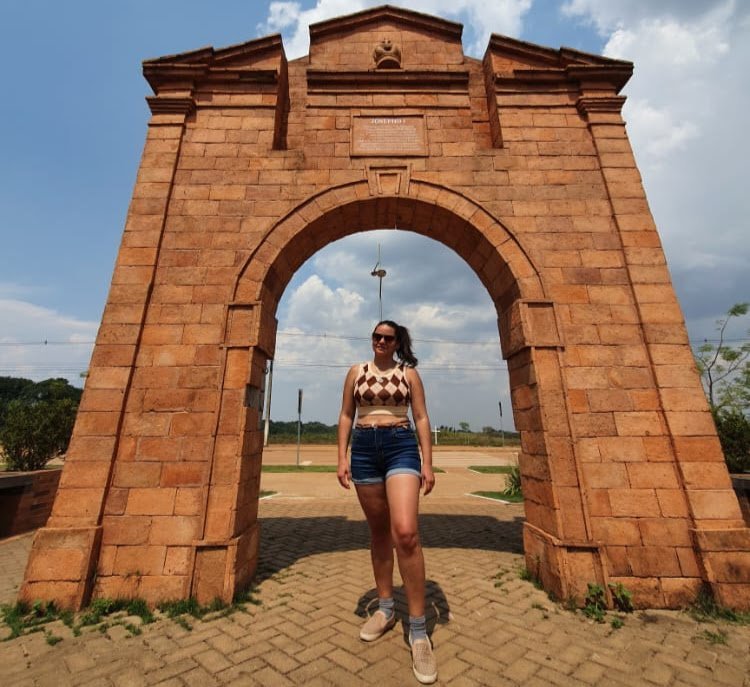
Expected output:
(374, 389)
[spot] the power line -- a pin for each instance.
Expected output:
(342, 337)
(422, 366)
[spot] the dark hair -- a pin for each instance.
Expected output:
(403, 341)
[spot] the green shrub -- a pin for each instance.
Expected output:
(595, 603)
(35, 432)
(733, 429)
(621, 597)
(513, 482)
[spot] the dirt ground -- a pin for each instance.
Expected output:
(442, 456)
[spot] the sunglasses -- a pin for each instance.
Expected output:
(388, 338)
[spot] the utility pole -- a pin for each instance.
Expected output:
(299, 421)
(267, 427)
(502, 432)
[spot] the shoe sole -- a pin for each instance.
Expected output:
(372, 637)
(424, 679)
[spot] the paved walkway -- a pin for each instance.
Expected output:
(489, 627)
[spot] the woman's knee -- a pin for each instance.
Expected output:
(405, 537)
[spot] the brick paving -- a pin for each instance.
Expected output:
(314, 583)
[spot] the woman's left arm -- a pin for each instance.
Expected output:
(422, 424)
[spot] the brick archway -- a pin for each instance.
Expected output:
(529, 338)
(520, 163)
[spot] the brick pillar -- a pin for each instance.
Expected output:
(558, 542)
(718, 548)
(226, 555)
(65, 553)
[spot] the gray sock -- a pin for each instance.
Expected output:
(386, 606)
(417, 628)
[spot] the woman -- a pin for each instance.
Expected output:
(387, 473)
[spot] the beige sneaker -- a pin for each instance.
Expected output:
(376, 626)
(423, 661)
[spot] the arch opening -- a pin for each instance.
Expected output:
(528, 337)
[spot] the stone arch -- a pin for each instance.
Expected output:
(530, 341)
(493, 252)
(251, 162)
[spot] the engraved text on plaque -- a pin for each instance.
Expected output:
(388, 135)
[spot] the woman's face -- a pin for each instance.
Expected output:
(384, 340)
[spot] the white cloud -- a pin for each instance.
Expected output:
(685, 115)
(479, 18)
(609, 15)
(67, 349)
(290, 19)
(656, 129)
(428, 288)
(314, 301)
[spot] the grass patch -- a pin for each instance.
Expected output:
(499, 496)
(492, 469)
(718, 637)
(264, 493)
(24, 619)
(101, 608)
(706, 610)
(177, 610)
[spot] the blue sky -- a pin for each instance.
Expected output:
(74, 120)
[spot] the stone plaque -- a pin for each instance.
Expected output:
(386, 135)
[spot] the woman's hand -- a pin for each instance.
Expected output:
(343, 474)
(428, 479)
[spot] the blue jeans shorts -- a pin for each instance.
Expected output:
(380, 452)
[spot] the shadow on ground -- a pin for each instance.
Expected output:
(285, 540)
(437, 609)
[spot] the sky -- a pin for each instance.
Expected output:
(74, 121)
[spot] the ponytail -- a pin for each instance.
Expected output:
(403, 339)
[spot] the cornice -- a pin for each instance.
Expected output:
(532, 52)
(612, 104)
(252, 49)
(162, 104)
(227, 65)
(610, 78)
(576, 64)
(410, 18)
(172, 74)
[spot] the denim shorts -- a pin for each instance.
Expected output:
(380, 452)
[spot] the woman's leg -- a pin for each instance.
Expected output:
(403, 504)
(372, 498)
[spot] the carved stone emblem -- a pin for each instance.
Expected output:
(387, 55)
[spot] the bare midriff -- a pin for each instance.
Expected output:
(382, 416)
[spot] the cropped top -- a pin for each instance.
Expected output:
(376, 393)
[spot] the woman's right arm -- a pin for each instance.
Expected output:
(346, 419)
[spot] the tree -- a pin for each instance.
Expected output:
(464, 426)
(33, 433)
(733, 429)
(725, 373)
(11, 388)
(56, 389)
(725, 369)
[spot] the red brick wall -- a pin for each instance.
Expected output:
(26, 504)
